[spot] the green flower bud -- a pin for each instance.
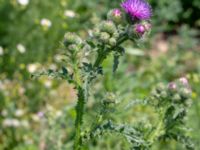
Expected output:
(115, 15)
(71, 38)
(104, 37)
(116, 35)
(160, 87)
(112, 41)
(163, 94)
(108, 26)
(96, 32)
(176, 98)
(73, 47)
(184, 92)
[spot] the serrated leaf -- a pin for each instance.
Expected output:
(115, 62)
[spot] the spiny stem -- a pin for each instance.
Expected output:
(79, 119)
(156, 132)
(81, 96)
(103, 55)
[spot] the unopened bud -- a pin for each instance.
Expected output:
(147, 26)
(140, 29)
(184, 81)
(112, 41)
(104, 37)
(176, 98)
(116, 35)
(73, 47)
(115, 15)
(96, 32)
(160, 87)
(108, 26)
(185, 92)
(172, 86)
(71, 38)
(163, 94)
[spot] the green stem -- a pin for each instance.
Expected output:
(79, 119)
(158, 130)
(81, 96)
(102, 55)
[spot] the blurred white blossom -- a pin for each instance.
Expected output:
(9, 122)
(45, 22)
(19, 112)
(22, 90)
(35, 118)
(1, 51)
(21, 48)
(48, 83)
(40, 114)
(69, 13)
(59, 113)
(23, 2)
(32, 68)
(53, 66)
(4, 113)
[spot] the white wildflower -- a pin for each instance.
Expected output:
(9, 122)
(58, 113)
(19, 112)
(45, 22)
(69, 13)
(1, 51)
(32, 68)
(48, 83)
(35, 118)
(23, 2)
(4, 113)
(21, 48)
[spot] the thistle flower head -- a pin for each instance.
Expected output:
(137, 9)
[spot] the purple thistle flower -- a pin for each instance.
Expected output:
(137, 9)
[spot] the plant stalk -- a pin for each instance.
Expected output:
(81, 97)
(79, 119)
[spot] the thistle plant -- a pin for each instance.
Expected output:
(83, 65)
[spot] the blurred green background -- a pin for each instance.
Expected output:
(39, 115)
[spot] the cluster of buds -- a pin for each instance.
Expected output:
(73, 42)
(107, 33)
(177, 92)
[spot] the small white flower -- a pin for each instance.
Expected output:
(15, 123)
(21, 48)
(32, 68)
(23, 2)
(9, 122)
(53, 66)
(22, 90)
(45, 22)
(35, 118)
(69, 13)
(58, 113)
(19, 113)
(48, 83)
(4, 113)
(1, 51)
